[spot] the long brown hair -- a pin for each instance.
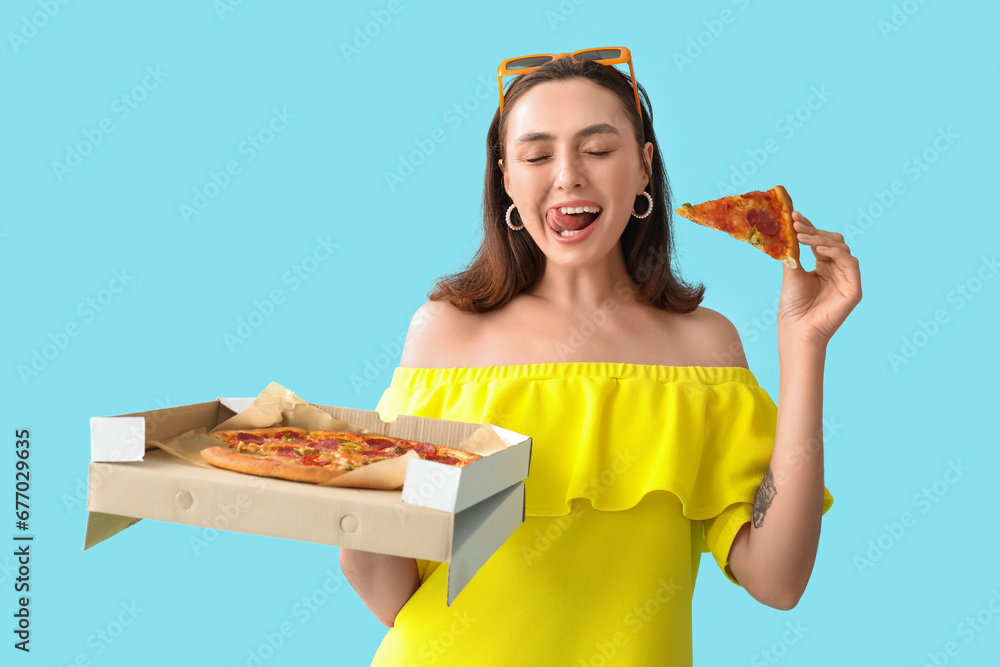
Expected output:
(509, 262)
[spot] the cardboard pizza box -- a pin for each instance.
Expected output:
(458, 516)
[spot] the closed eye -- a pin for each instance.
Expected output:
(543, 157)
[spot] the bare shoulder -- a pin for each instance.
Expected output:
(716, 338)
(436, 334)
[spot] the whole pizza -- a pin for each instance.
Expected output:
(310, 455)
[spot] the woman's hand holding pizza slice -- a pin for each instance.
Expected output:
(813, 304)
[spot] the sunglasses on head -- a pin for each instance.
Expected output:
(612, 55)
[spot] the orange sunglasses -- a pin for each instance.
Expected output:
(612, 55)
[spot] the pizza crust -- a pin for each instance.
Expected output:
(791, 258)
(263, 432)
(224, 457)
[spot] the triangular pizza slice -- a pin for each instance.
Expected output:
(762, 219)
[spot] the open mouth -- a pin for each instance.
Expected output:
(568, 221)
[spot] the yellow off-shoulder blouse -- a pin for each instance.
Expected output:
(635, 471)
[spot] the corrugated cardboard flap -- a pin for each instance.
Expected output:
(479, 531)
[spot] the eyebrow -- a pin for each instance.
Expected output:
(599, 128)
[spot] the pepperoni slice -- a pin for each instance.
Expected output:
(763, 221)
(250, 437)
(328, 445)
(450, 460)
(424, 448)
(379, 443)
(285, 451)
(313, 460)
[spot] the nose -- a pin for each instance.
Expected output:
(570, 172)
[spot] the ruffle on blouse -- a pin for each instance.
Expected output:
(612, 432)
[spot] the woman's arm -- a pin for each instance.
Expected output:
(384, 583)
(773, 556)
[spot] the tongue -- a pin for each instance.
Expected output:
(574, 221)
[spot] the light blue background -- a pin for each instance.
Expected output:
(160, 341)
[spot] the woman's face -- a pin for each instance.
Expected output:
(569, 144)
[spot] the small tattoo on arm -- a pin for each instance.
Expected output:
(765, 494)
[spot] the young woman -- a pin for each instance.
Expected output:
(652, 441)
